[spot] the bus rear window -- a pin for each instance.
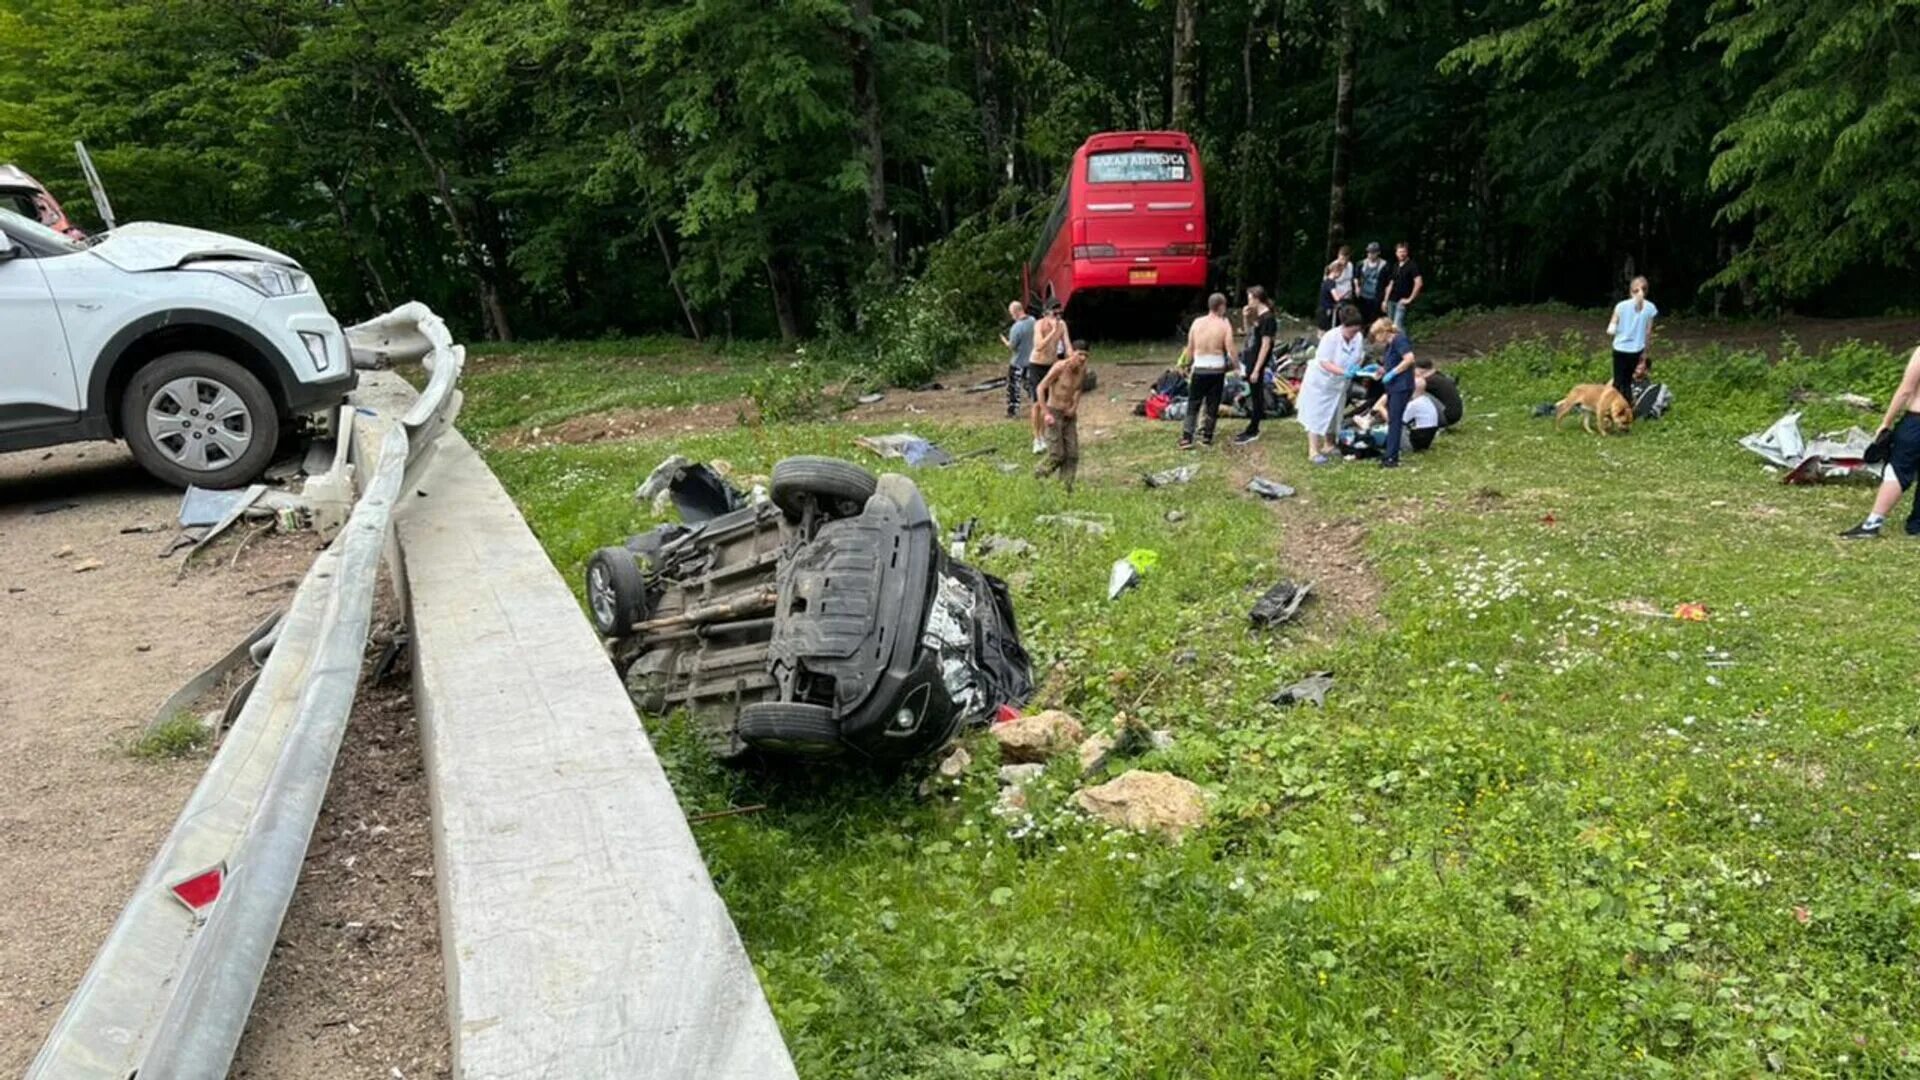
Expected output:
(1139, 167)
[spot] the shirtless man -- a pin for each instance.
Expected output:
(1049, 345)
(1209, 344)
(1900, 430)
(1061, 393)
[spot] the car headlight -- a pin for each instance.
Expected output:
(267, 279)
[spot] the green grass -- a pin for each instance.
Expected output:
(1531, 834)
(181, 735)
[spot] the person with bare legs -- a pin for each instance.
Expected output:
(1900, 433)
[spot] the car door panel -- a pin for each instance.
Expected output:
(37, 385)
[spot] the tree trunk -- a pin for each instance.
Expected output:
(1186, 65)
(866, 102)
(1344, 48)
(986, 85)
(1246, 63)
(673, 279)
(491, 306)
(785, 308)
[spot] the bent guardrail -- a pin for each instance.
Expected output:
(170, 992)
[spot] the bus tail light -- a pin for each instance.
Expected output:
(1094, 251)
(1186, 249)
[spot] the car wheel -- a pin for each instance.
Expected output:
(790, 728)
(194, 418)
(839, 488)
(616, 592)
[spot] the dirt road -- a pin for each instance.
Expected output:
(86, 653)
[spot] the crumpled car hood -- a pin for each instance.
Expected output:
(149, 245)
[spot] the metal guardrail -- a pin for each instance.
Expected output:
(170, 992)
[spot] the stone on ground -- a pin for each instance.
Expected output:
(1037, 737)
(1147, 802)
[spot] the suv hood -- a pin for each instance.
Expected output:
(147, 245)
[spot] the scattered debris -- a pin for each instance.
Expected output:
(1831, 456)
(910, 448)
(990, 384)
(1268, 489)
(55, 507)
(205, 506)
(85, 565)
(1280, 603)
(210, 677)
(1096, 525)
(1313, 689)
(1147, 802)
(1004, 545)
(1037, 737)
(1019, 776)
(1691, 613)
(1187, 656)
(234, 511)
(143, 527)
(1126, 572)
(699, 492)
(871, 399)
(1169, 477)
(64, 552)
(1175, 517)
(660, 479)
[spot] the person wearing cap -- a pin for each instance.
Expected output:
(1373, 276)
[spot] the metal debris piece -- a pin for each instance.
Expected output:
(1096, 525)
(1280, 603)
(1268, 489)
(1004, 545)
(1169, 477)
(871, 399)
(205, 506)
(209, 677)
(232, 515)
(905, 446)
(990, 384)
(1313, 689)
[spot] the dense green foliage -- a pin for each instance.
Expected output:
(1538, 830)
(586, 167)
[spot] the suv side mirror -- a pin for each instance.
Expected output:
(7, 250)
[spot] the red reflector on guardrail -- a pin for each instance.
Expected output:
(202, 889)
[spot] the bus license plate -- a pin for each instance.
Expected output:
(1143, 277)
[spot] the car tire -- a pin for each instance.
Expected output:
(616, 592)
(222, 449)
(790, 728)
(839, 488)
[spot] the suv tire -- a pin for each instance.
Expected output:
(227, 445)
(839, 488)
(616, 592)
(791, 728)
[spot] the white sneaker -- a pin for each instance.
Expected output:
(1039, 446)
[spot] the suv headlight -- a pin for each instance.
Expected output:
(267, 279)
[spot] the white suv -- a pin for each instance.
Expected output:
(198, 349)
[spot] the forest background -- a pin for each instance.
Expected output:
(723, 168)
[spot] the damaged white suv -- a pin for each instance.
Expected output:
(198, 349)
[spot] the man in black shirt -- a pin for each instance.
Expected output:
(1443, 389)
(1256, 360)
(1405, 287)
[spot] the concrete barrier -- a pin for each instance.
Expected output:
(583, 937)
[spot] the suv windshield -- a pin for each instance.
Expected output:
(27, 230)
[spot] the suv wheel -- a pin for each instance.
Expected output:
(197, 418)
(839, 488)
(790, 728)
(616, 592)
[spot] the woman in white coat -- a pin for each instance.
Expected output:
(1323, 390)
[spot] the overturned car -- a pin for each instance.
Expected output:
(826, 620)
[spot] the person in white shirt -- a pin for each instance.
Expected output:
(1323, 391)
(1631, 323)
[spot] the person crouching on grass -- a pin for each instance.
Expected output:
(1396, 377)
(1900, 433)
(1061, 393)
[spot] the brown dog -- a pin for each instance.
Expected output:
(1599, 400)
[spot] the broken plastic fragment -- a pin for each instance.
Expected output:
(1313, 688)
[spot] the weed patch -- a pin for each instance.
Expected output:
(181, 735)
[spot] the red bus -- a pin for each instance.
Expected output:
(1129, 228)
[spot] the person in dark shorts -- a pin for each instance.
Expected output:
(1019, 342)
(1900, 433)
(1445, 391)
(1256, 357)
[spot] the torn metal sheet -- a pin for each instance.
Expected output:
(1169, 477)
(1831, 456)
(209, 677)
(206, 506)
(226, 522)
(1312, 689)
(1269, 489)
(907, 447)
(1280, 603)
